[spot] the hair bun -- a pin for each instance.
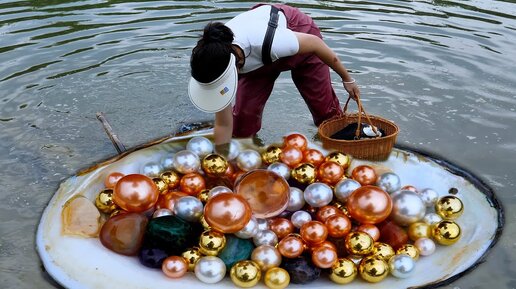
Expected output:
(217, 32)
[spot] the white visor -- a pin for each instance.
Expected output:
(218, 94)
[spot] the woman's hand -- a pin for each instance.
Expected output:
(352, 88)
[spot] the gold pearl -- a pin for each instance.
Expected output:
(203, 195)
(214, 165)
(383, 250)
(359, 243)
(245, 273)
(409, 249)
(342, 159)
(419, 230)
(104, 201)
(271, 155)
(192, 256)
(276, 278)
(304, 173)
(343, 271)
(161, 184)
(171, 178)
(116, 211)
(204, 224)
(373, 269)
(211, 243)
(446, 232)
(449, 207)
(341, 207)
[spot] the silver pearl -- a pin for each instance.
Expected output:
(266, 257)
(167, 162)
(186, 162)
(162, 212)
(429, 197)
(402, 266)
(218, 190)
(296, 200)
(210, 269)
(425, 246)
(248, 160)
(151, 169)
(318, 195)
(432, 218)
(200, 146)
(188, 208)
(249, 231)
(280, 169)
(263, 224)
(389, 182)
(344, 188)
(265, 237)
(300, 218)
(407, 207)
(234, 150)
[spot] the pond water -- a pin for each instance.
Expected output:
(444, 71)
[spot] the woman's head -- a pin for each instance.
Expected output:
(211, 55)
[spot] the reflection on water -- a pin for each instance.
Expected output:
(443, 70)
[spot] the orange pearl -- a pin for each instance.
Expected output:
(296, 140)
(338, 225)
(364, 174)
(230, 172)
(313, 233)
(369, 205)
(291, 246)
(409, 188)
(112, 179)
(168, 200)
(291, 156)
(227, 213)
(281, 227)
(325, 212)
(330, 172)
(371, 230)
(192, 184)
(324, 257)
(313, 157)
(174, 267)
(135, 193)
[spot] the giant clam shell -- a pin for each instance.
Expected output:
(77, 262)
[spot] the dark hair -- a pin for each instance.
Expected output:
(211, 55)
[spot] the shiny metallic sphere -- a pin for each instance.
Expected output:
(200, 146)
(248, 160)
(249, 231)
(296, 200)
(407, 208)
(318, 194)
(280, 169)
(188, 208)
(186, 162)
(210, 269)
(402, 266)
(389, 182)
(344, 188)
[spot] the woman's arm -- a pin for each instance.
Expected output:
(309, 43)
(223, 130)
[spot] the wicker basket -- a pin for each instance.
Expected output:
(375, 149)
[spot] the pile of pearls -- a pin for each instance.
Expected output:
(352, 221)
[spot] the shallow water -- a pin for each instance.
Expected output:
(442, 70)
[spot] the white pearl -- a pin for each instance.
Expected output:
(151, 169)
(432, 218)
(407, 207)
(344, 188)
(266, 256)
(265, 237)
(401, 266)
(318, 195)
(296, 200)
(249, 231)
(188, 208)
(210, 269)
(248, 160)
(280, 169)
(389, 182)
(300, 218)
(186, 162)
(425, 246)
(200, 146)
(429, 197)
(218, 190)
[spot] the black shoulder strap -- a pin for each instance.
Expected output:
(269, 36)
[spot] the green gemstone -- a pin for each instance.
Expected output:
(236, 250)
(171, 234)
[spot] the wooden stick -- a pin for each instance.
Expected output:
(120, 148)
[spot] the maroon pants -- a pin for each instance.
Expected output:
(310, 75)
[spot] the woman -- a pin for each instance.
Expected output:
(236, 59)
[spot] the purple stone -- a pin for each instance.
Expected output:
(300, 270)
(152, 257)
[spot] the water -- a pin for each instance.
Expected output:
(443, 70)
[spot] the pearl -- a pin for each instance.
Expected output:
(263, 224)
(200, 146)
(296, 200)
(429, 197)
(265, 237)
(151, 169)
(266, 257)
(162, 212)
(135, 193)
(250, 230)
(280, 169)
(432, 218)
(402, 266)
(300, 218)
(407, 208)
(389, 182)
(210, 269)
(217, 190)
(248, 160)
(318, 194)
(174, 267)
(188, 208)
(425, 246)
(234, 150)
(344, 188)
(186, 162)
(167, 162)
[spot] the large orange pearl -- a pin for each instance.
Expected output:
(291, 156)
(313, 233)
(364, 174)
(325, 212)
(330, 172)
(324, 257)
(371, 230)
(313, 157)
(135, 193)
(281, 227)
(296, 140)
(227, 213)
(168, 200)
(291, 246)
(112, 179)
(338, 225)
(369, 205)
(192, 184)
(174, 267)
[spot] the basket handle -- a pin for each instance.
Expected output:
(361, 111)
